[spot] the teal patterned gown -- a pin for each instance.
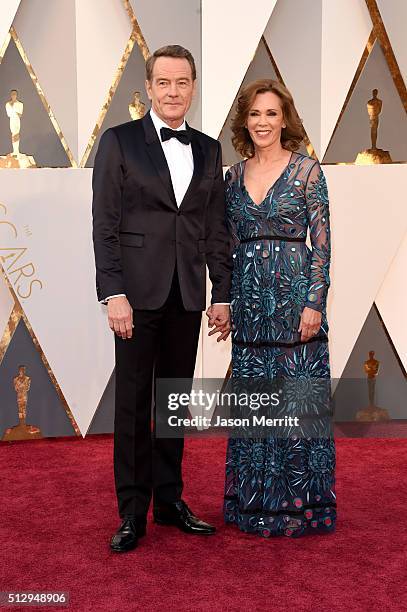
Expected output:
(280, 485)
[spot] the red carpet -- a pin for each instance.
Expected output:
(59, 510)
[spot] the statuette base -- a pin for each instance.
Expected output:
(11, 160)
(373, 156)
(372, 414)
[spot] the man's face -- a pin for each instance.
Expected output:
(13, 96)
(171, 89)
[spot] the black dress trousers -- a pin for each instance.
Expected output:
(163, 345)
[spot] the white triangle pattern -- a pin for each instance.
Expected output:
(103, 29)
(70, 324)
(360, 197)
(7, 12)
(229, 42)
(391, 301)
(300, 68)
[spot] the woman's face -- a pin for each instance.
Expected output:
(265, 120)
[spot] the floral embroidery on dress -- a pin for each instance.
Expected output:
(276, 485)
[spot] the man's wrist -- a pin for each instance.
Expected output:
(109, 297)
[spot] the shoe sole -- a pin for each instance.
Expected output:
(169, 524)
(122, 550)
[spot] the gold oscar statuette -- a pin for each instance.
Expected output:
(372, 412)
(373, 155)
(22, 431)
(137, 108)
(15, 159)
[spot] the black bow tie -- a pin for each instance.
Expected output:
(182, 135)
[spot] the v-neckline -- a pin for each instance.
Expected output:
(271, 186)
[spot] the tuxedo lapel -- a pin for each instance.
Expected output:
(156, 154)
(199, 164)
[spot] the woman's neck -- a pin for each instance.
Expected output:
(269, 155)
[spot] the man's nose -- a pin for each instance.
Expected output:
(173, 91)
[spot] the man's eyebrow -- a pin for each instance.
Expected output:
(166, 78)
(181, 78)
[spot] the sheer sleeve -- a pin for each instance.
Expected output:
(230, 177)
(316, 194)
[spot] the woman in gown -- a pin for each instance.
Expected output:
(278, 485)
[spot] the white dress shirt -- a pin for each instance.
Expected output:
(180, 163)
(179, 158)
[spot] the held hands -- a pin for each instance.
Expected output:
(120, 316)
(219, 316)
(309, 324)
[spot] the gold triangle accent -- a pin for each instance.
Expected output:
(5, 45)
(380, 31)
(41, 94)
(17, 314)
(141, 41)
(9, 330)
(136, 37)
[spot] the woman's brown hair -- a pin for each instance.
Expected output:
(291, 136)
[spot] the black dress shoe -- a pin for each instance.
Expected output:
(179, 515)
(126, 537)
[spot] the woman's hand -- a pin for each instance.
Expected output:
(310, 323)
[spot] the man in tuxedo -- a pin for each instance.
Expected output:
(158, 220)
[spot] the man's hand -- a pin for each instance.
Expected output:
(309, 324)
(120, 316)
(219, 316)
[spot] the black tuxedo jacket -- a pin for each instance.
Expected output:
(140, 234)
